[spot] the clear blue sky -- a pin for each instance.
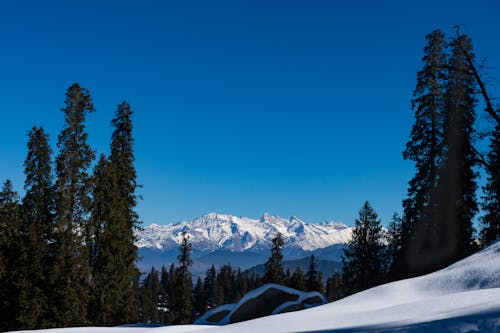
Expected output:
(289, 107)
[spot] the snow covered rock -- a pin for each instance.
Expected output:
(264, 301)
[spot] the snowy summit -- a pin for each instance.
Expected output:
(214, 231)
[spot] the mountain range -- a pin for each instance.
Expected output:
(240, 241)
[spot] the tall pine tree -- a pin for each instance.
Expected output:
(70, 274)
(114, 220)
(37, 228)
(425, 149)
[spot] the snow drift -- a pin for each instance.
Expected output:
(464, 297)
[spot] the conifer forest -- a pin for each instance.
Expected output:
(68, 253)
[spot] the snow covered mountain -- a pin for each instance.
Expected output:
(216, 232)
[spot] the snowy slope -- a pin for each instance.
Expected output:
(214, 231)
(465, 297)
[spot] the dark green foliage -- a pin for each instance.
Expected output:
(198, 299)
(69, 276)
(149, 298)
(363, 261)
(424, 148)
(226, 280)
(491, 205)
(297, 280)
(334, 288)
(113, 252)
(214, 294)
(273, 269)
(36, 232)
(448, 233)
(182, 305)
(10, 251)
(393, 250)
(312, 276)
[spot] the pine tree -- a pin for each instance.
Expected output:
(297, 280)
(10, 250)
(182, 303)
(312, 275)
(393, 249)
(334, 288)
(491, 204)
(273, 269)
(112, 226)
(36, 230)
(198, 299)
(164, 296)
(69, 277)
(225, 279)
(363, 260)
(449, 236)
(148, 299)
(425, 149)
(213, 292)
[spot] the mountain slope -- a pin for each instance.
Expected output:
(214, 231)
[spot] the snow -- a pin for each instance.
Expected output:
(464, 297)
(215, 231)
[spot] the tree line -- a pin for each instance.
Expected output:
(169, 296)
(67, 251)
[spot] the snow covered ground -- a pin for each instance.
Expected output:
(464, 297)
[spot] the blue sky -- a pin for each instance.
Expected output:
(243, 107)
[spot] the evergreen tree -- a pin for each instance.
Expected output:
(273, 269)
(393, 249)
(225, 279)
(449, 235)
(241, 287)
(213, 292)
(198, 299)
(182, 303)
(148, 299)
(113, 223)
(164, 296)
(36, 232)
(10, 250)
(69, 277)
(491, 204)
(363, 260)
(425, 149)
(334, 288)
(297, 280)
(311, 278)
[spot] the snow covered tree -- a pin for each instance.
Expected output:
(363, 260)
(273, 269)
(69, 276)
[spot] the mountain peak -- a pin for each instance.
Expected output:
(214, 231)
